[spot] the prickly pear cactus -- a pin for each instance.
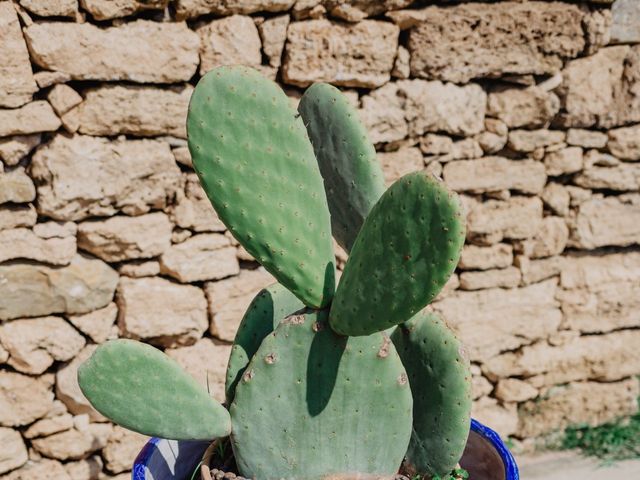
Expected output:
(352, 175)
(405, 252)
(312, 404)
(140, 388)
(265, 312)
(251, 152)
(440, 379)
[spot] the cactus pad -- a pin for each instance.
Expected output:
(405, 252)
(251, 152)
(440, 380)
(265, 312)
(353, 177)
(314, 405)
(140, 388)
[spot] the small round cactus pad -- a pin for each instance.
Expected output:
(404, 254)
(440, 379)
(139, 387)
(254, 159)
(316, 405)
(353, 177)
(265, 312)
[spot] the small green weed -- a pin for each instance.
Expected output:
(611, 442)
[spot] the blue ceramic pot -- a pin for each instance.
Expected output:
(486, 457)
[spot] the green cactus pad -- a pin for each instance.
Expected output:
(353, 177)
(316, 405)
(265, 312)
(440, 380)
(405, 252)
(251, 152)
(140, 388)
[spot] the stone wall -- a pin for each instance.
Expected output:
(531, 110)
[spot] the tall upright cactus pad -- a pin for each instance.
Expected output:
(265, 312)
(353, 177)
(251, 152)
(140, 388)
(440, 379)
(315, 405)
(405, 252)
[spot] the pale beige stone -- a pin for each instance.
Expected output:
(73, 444)
(4, 355)
(351, 55)
(601, 292)
(556, 197)
(68, 390)
(51, 8)
(207, 362)
(586, 138)
(12, 216)
(86, 469)
(480, 386)
(623, 177)
(14, 149)
(499, 277)
(578, 195)
(595, 158)
(228, 300)
(399, 163)
(516, 218)
(49, 426)
(122, 448)
(45, 78)
(231, 40)
(273, 32)
(39, 468)
(356, 10)
(33, 117)
(98, 324)
(16, 78)
(192, 209)
(63, 98)
(24, 243)
(597, 26)
(625, 27)
(514, 390)
(194, 8)
(163, 53)
(16, 187)
(401, 68)
(161, 312)
(534, 271)
(503, 418)
(126, 238)
(182, 156)
(529, 107)
(551, 238)
(54, 229)
(140, 268)
(596, 357)
(82, 176)
(202, 257)
(591, 87)
(468, 41)
(509, 318)
(490, 174)
(108, 9)
(530, 140)
(32, 290)
(34, 344)
(14, 452)
(24, 399)
(383, 115)
(437, 106)
(135, 110)
(567, 160)
(608, 221)
(589, 403)
(624, 143)
(433, 144)
(485, 258)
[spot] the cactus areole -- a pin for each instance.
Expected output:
(353, 382)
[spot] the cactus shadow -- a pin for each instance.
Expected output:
(322, 368)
